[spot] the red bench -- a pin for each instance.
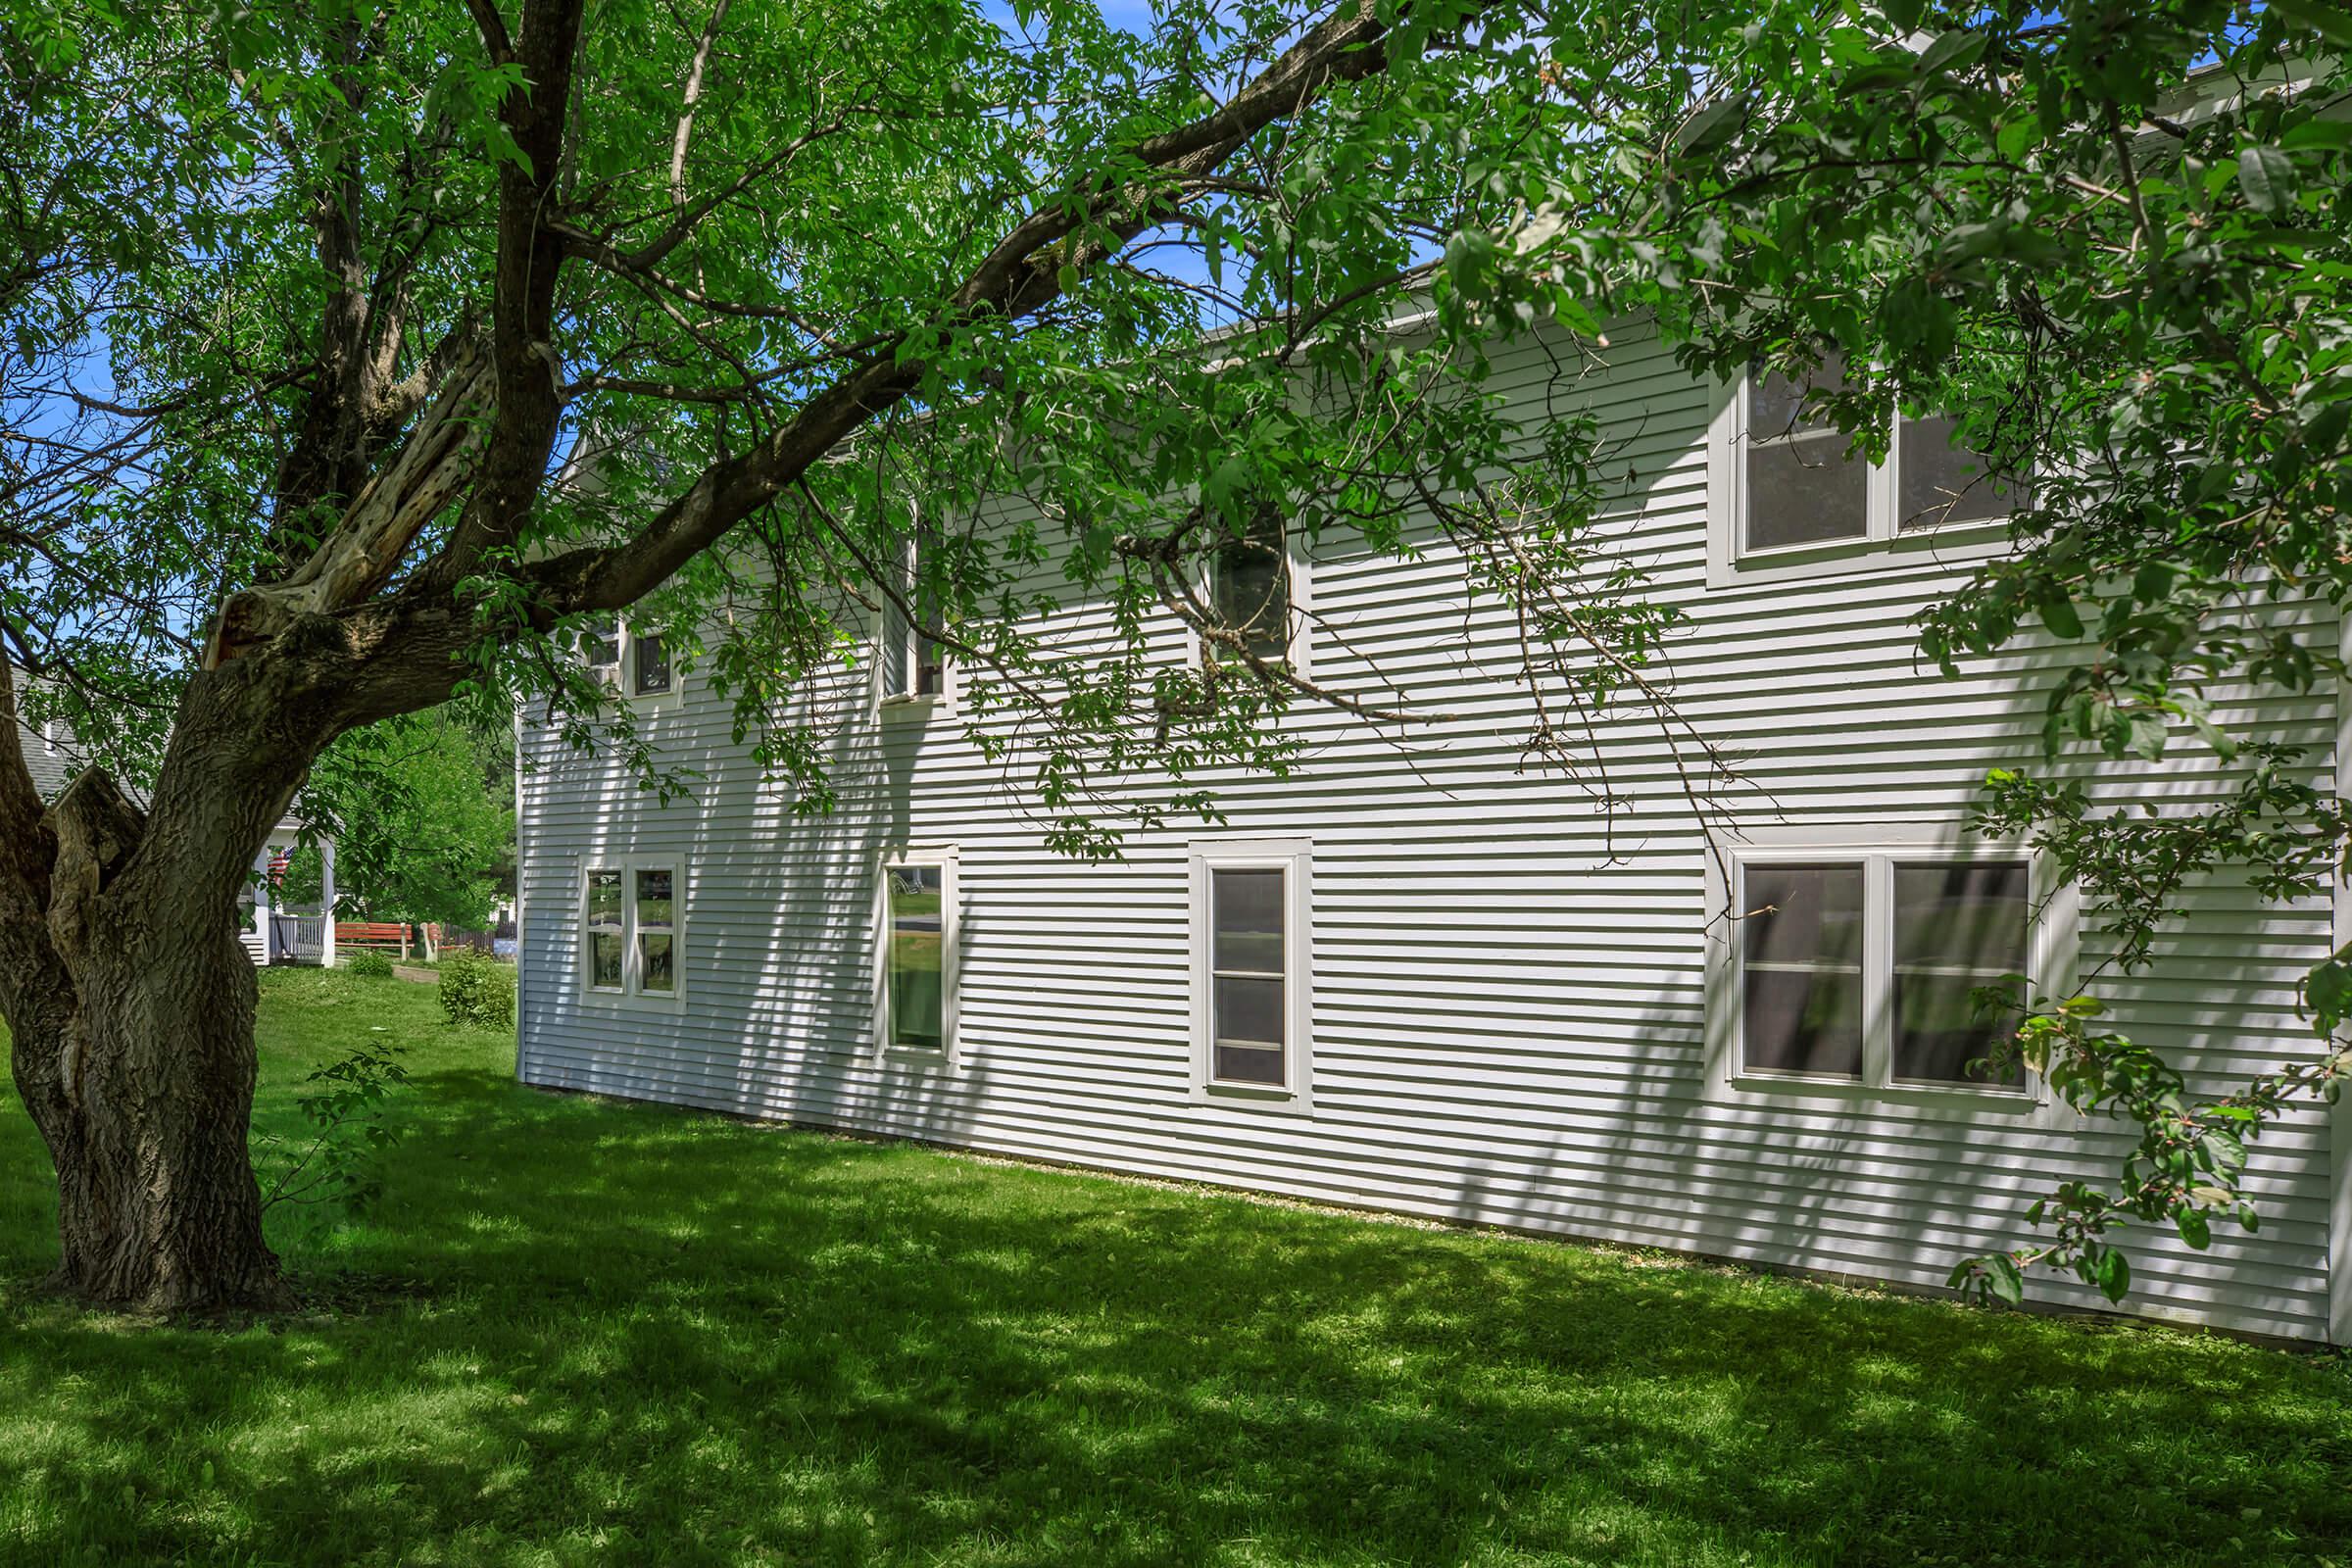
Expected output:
(372, 934)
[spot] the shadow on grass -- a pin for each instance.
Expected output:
(646, 1334)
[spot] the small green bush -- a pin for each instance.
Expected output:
(477, 991)
(375, 965)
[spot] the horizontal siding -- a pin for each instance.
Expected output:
(1509, 1008)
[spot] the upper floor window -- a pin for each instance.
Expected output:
(632, 662)
(1788, 498)
(1250, 586)
(1875, 968)
(911, 660)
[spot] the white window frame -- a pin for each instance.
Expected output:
(2052, 952)
(622, 682)
(1299, 651)
(949, 1056)
(1294, 858)
(1884, 545)
(631, 991)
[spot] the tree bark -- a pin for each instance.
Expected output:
(142, 1095)
(134, 1053)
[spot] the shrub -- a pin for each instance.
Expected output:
(477, 991)
(344, 1104)
(372, 965)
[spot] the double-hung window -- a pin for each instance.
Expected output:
(1250, 975)
(915, 959)
(632, 929)
(1881, 968)
(631, 662)
(1786, 497)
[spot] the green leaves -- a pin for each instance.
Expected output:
(2266, 176)
(2330, 22)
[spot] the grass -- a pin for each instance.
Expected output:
(625, 1334)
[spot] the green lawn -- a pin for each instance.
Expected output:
(628, 1334)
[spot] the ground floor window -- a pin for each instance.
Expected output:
(631, 930)
(1880, 966)
(1250, 961)
(914, 988)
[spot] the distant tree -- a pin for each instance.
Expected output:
(421, 812)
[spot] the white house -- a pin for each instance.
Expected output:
(1415, 977)
(271, 929)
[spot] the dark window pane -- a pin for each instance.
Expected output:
(653, 665)
(604, 958)
(1803, 914)
(654, 905)
(1800, 1020)
(1802, 973)
(1802, 487)
(917, 936)
(1970, 916)
(1958, 929)
(1246, 926)
(654, 960)
(1248, 1011)
(1941, 1034)
(1248, 1065)
(1942, 484)
(1250, 587)
(603, 899)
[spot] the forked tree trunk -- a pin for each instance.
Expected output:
(139, 1072)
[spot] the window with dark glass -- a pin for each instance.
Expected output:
(1960, 930)
(1803, 487)
(1882, 970)
(1250, 586)
(1247, 980)
(652, 658)
(1803, 1006)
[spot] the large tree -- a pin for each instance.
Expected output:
(367, 353)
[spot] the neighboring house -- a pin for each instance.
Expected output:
(271, 930)
(1416, 977)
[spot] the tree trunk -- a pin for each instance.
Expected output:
(138, 1065)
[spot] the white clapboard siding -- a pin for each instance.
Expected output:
(1509, 984)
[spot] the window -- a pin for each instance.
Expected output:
(1786, 496)
(1250, 973)
(654, 911)
(649, 664)
(914, 982)
(910, 659)
(606, 971)
(631, 930)
(635, 664)
(1867, 967)
(1250, 587)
